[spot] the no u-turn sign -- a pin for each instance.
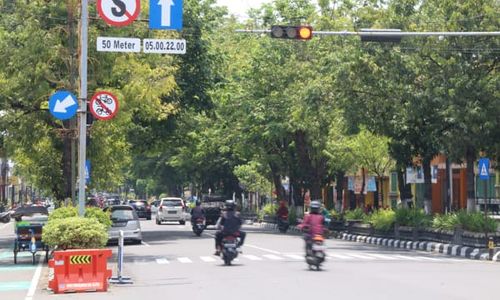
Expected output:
(119, 12)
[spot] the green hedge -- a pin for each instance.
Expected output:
(75, 233)
(382, 219)
(269, 209)
(475, 222)
(412, 217)
(355, 214)
(90, 212)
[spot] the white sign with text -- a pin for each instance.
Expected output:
(113, 44)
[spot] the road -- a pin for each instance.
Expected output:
(174, 263)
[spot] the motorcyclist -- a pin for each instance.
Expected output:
(282, 212)
(228, 224)
(312, 224)
(197, 212)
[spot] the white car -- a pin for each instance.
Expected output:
(171, 210)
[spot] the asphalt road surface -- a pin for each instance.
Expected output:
(174, 263)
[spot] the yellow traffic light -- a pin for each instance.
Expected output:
(291, 32)
(305, 32)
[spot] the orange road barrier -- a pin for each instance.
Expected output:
(83, 270)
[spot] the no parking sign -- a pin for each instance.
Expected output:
(104, 105)
(119, 12)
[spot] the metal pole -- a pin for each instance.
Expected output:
(83, 107)
(385, 33)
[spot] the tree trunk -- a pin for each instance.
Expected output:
(404, 188)
(362, 193)
(280, 190)
(470, 156)
(312, 175)
(380, 180)
(427, 186)
(340, 188)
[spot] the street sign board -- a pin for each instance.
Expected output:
(113, 44)
(63, 105)
(104, 105)
(484, 168)
(164, 46)
(165, 14)
(87, 171)
(118, 12)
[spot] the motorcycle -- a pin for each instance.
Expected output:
(229, 249)
(315, 253)
(283, 224)
(199, 226)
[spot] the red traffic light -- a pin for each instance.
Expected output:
(291, 32)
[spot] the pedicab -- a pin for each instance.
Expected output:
(28, 229)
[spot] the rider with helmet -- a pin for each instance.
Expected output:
(312, 224)
(228, 224)
(197, 212)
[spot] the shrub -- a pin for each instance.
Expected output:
(292, 215)
(268, 210)
(335, 215)
(100, 215)
(475, 222)
(383, 219)
(355, 214)
(90, 212)
(412, 217)
(75, 233)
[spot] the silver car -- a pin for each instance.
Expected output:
(124, 218)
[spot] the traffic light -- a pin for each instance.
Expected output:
(301, 32)
(381, 35)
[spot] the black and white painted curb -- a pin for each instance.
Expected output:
(449, 249)
(273, 226)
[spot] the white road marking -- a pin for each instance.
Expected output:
(496, 256)
(5, 225)
(428, 258)
(340, 256)
(34, 281)
(361, 256)
(382, 256)
(185, 260)
(162, 261)
(273, 257)
(294, 256)
(207, 258)
(406, 257)
(252, 257)
(263, 249)
(145, 244)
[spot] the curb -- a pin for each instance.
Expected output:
(448, 249)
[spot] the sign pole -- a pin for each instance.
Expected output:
(83, 106)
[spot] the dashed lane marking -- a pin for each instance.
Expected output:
(162, 261)
(185, 260)
(251, 257)
(362, 256)
(263, 249)
(382, 256)
(273, 257)
(207, 258)
(339, 256)
(294, 256)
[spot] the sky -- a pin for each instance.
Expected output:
(240, 7)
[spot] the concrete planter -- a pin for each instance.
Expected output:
(361, 229)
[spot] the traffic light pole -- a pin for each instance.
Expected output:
(83, 107)
(383, 33)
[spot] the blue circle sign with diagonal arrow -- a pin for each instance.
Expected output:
(63, 105)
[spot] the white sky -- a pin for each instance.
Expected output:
(240, 7)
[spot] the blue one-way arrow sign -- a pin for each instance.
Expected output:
(165, 14)
(63, 105)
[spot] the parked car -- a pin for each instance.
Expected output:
(171, 209)
(142, 208)
(124, 218)
(111, 202)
